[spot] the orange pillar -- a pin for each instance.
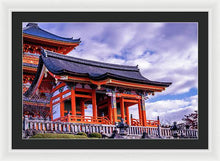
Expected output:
(140, 111)
(144, 111)
(122, 108)
(51, 110)
(82, 104)
(109, 109)
(114, 107)
(61, 107)
(73, 101)
(94, 106)
(127, 114)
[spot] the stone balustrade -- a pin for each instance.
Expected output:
(69, 127)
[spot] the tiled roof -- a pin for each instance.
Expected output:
(35, 30)
(66, 65)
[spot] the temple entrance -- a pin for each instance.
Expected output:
(122, 111)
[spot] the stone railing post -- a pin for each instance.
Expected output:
(25, 125)
(43, 126)
(39, 127)
(47, 125)
(71, 128)
(68, 127)
(35, 125)
(75, 129)
(83, 128)
(158, 127)
(51, 126)
(64, 127)
(31, 125)
(55, 126)
(59, 126)
(90, 129)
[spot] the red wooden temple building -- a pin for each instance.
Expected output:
(35, 38)
(63, 86)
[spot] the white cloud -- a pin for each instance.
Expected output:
(171, 110)
(168, 110)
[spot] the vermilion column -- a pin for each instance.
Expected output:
(61, 107)
(122, 108)
(94, 107)
(127, 114)
(140, 111)
(73, 101)
(114, 107)
(82, 104)
(144, 111)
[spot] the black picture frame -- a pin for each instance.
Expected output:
(19, 17)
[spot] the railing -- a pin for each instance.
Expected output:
(66, 127)
(135, 122)
(149, 123)
(152, 123)
(84, 119)
(71, 127)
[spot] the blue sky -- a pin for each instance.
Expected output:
(163, 52)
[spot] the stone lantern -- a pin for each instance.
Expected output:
(174, 130)
(122, 128)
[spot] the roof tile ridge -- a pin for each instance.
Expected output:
(56, 35)
(71, 58)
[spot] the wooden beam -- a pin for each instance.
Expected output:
(130, 104)
(102, 106)
(131, 101)
(84, 90)
(57, 87)
(83, 96)
(136, 85)
(128, 95)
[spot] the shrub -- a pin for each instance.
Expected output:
(57, 136)
(95, 135)
(82, 133)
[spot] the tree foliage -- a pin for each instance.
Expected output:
(191, 120)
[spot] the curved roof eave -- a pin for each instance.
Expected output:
(33, 29)
(58, 70)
